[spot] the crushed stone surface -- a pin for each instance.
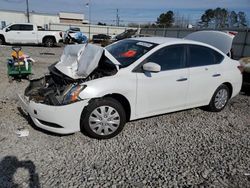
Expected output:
(191, 148)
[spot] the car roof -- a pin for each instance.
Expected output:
(21, 24)
(160, 40)
(171, 40)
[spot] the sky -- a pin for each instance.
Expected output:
(141, 11)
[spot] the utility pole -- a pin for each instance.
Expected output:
(88, 5)
(27, 11)
(117, 17)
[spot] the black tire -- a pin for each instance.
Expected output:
(2, 41)
(49, 42)
(214, 104)
(66, 41)
(95, 105)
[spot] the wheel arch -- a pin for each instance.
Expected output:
(124, 102)
(230, 87)
(49, 36)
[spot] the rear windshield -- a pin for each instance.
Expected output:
(128, 51)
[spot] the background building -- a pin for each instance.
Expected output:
(74, 18)
(40, 19)
(60, 22)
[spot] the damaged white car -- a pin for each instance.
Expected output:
(97, 90)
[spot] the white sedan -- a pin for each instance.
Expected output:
(97, 90)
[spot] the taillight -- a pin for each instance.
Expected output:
(233, 33)
(241, 68)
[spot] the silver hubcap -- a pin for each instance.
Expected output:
(104, 120)
(49, 43)
(221, 98)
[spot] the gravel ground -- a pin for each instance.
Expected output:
(191, 148)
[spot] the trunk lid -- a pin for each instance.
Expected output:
(221, 40)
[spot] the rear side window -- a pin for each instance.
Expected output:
(201, 56)
(169, 58)
(26, 27)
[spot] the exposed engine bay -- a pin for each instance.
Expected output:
(53, 88)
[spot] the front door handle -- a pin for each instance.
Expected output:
(181, 79)
(216, 75)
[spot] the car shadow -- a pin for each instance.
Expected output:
(245, 90)
(32, 124)
(8, 167)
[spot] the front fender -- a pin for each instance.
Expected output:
(125, 86)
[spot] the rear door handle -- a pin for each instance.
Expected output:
(181, 79)
(216, 75)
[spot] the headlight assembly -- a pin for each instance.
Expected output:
(73, 94)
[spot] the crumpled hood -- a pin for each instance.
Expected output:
(79, 61)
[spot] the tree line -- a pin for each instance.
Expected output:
(211, 18)
(222, 18)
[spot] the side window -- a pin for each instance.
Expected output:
(201, 56)
(15, 27)
(169, 58)
(218, 57)
(26, 27)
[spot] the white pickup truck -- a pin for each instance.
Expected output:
(26, 33)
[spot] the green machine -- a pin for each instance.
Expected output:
(19, 66)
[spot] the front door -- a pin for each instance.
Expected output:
(166, 90)
(12, 33)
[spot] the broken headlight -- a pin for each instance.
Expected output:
(73, 94)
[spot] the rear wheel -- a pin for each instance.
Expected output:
(49, 42)
(103, 118)
(219, 99)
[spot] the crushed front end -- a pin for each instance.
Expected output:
(53, 101)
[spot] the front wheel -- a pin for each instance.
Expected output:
(1, 40)
(103, 118)
(219, 99)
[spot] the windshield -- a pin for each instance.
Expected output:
(128, 51)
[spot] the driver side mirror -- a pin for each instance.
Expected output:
(7, 29)
(151, 67)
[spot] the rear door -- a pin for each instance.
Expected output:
(27, 34)
(205, 73)
(166, 90)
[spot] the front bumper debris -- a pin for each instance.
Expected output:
(63, 119)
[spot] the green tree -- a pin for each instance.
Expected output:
(165, 19)
(233, 17)
(217, 17)
(207, 17)
(242, 19)
(220, 17)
